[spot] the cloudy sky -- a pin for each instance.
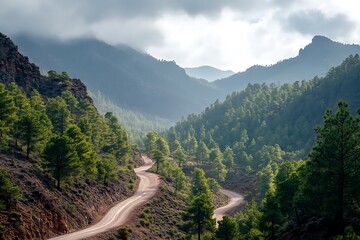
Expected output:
(228, 34)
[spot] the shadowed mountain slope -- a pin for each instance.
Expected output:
(313, 60)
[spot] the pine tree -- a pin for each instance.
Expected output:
(249, 222)
(31, 130)
(214, 186)
(84, 151)
(59, 115)
(199, 215)
(19, 103)
(180, 180)
(61, 159)
(192, 146)
(179, 155)
(217, 167)
(7, 114)
(202, 153)
(271, 217)
(199, 184)
(117, 142)
(288, 181)
(163, 146)
(228, 158)
(334, 167)
(92, 124)
(172, 138)
(159, 158)
(150, 143)
(228, 229)
(71, 102)
(37, 103)
(8, 191)
(107, 169)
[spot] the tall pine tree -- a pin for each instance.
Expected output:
(331, 188)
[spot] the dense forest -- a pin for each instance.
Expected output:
(73, 138)
(306, 179)
(137, 124)
(62, 163)
(67, 143)
(270, 118)
(266, 130)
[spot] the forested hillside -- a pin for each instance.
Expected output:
(137, 124)
(275, 116)
(265, 131)
(61, 162)
(138, 82)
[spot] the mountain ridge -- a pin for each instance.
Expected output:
(134, 80)
(315, 59)
(137, 81)
(208, 73)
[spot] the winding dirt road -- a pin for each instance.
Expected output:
(118, 215)
(235, 200)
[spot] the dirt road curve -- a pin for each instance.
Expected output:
(119, 214)
(235, 200)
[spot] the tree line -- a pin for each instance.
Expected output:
(267, 130)
(196, 189)
(72, 138)
(319, 193)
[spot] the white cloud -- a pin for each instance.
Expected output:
(228, 42)
(230, 34)
(137, 32)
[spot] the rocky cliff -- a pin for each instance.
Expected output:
(14, 67)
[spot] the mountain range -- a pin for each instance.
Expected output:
(315, 59)
(137, 81)
(208, 73)
(127, 77)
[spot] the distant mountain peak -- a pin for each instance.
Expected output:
(320, 46)
(321, 39)
(208, 73)
(313, 60)
(134, 80)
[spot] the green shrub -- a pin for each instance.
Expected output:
(123, 233)
(348, 235)
(143, 215)
(8, 191)
(2, 228)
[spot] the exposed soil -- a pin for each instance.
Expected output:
(122, 211)
(236, 200)
(45, 211)
(159, 218)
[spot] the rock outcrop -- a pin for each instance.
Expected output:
(14, 67)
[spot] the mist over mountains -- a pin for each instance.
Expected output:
(127, 77)
(137, 81)
(208, 73)
(315, 59)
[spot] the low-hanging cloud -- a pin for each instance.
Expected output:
(114, 21)
(315, 22)
(224, 33)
